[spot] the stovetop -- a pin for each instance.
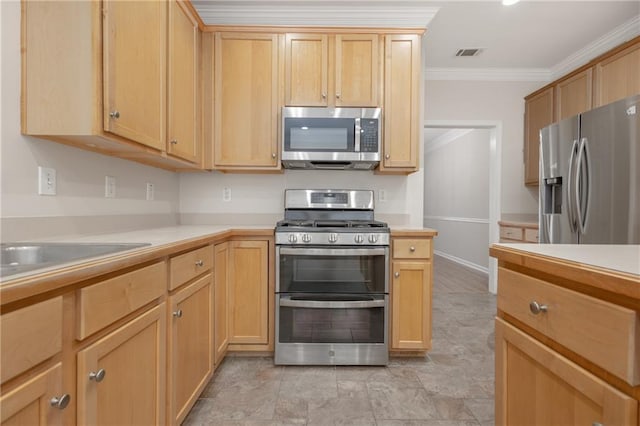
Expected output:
(321, 225)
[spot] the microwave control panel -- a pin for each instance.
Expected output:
(369, 135)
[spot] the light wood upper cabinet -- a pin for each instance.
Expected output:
(411, 293)
(246, 105)
(402, 97)
(332, 70)
(537, 386)
(30, 403)
(221, 296)
(129, 382)
(183, 90)
(538, 113)
(249, 292)
(191, 347)
(618, 76)
(573, 95)
(134, 63)
(306, 70)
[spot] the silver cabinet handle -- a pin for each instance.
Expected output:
(397, 274)
(412, 249)
(178, 313)
(60, 402)
(273, 155)
(536, 308)
(387, 156)
(97, 376)
(114, 114)
(173, 142)
(199, 263)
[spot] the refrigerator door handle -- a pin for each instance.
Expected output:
(582, 163)
(571, 191)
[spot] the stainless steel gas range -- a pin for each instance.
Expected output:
(332, 289)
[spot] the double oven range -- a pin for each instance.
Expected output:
(332, 286)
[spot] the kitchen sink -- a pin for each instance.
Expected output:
(22, 257)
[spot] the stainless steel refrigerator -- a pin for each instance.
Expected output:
(590, 177)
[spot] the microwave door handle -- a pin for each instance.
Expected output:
(357, 131)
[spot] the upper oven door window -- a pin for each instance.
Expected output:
(333, 270)
(319, 134)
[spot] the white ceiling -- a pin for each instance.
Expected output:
(533, 39)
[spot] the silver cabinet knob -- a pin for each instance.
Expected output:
(273, 155)
(173, 142)
(97, 376)
(536, 308)
(397, 275)
(199, 263)
(337, 95)
(412, 249)
(60, 402)
(324, 96)
(178, 313)
(387, 156)
(114, 114)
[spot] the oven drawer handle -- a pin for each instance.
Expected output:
(317, 304)
(380, 251)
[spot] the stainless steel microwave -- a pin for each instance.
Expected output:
(331, 138)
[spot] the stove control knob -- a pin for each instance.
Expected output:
(292, 238)
(358, 239)
(373, 238)
(333, 238)
(306, 238)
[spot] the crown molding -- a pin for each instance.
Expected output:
(352, 13)
(488, 74)
(624, 32)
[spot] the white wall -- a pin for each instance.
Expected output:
(456, 197)
(490, 101)
(80, 174)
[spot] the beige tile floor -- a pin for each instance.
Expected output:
(451, 386)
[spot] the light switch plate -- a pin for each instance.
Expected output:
(226, 194)
(46, 181)
(109, 187)
(150, 191)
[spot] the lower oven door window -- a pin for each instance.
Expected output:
(332, 319)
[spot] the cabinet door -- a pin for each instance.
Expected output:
(190, 345)
(411, 305)
(221, 297)
(246, 101)
(134, 70)
(537, 386)
(30, 403)
(538, 113)
(402, 117)
(573, 95)
(183, 136)
(357, 66)
(249, 292)
(306, 70)
(618, 76)
(133, 388)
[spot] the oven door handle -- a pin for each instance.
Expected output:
(378, 251)
(332, 304)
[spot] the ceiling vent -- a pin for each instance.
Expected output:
(468, 52)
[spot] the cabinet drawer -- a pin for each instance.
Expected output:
(411, 248)
(189, 265)
(531, 235)
(29, 336)
(604, 333)
(511, 233)
(105, 302)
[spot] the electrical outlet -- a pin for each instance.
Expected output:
(226, 194)
(46, 181)
(109, 187)
(150, 191)
(382, 195)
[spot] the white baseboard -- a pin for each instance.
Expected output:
(463, 262)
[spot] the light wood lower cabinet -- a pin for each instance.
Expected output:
(537, 386)
(410, 293)
(221, 297)
(191, 347)
(121, 378)
(249, 292)
(31, 402)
